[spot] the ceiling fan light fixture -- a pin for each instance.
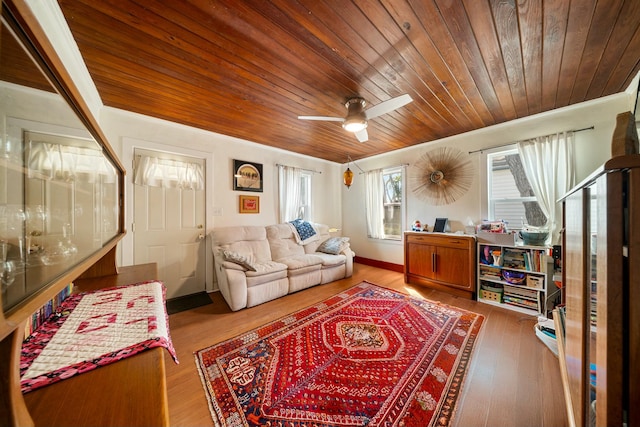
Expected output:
(354, 124)
(356, 118)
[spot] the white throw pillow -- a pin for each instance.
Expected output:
(240, 259)
(333, 245)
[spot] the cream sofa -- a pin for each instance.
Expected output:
(255, 264)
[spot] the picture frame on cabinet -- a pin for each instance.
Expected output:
(249, 204)
(247, 176)
(440, 225)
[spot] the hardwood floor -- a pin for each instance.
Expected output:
(513, 379)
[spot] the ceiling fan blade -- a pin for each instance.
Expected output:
(362, 135)
(325, 118)
(388, 106)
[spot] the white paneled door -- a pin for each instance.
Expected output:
(169, 229)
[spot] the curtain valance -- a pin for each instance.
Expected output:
(168, 173)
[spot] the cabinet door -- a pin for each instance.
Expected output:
(420, 260)
(453, 267)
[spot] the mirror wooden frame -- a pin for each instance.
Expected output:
(13, 412)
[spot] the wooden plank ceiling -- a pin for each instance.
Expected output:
(249, 68)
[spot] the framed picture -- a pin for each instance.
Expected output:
(247, 176)
(249, 204)
(440, 225)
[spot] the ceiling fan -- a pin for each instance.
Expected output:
(357, 117)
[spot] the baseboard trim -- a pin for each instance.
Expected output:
(399, 268)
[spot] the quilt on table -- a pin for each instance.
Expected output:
(93, 329)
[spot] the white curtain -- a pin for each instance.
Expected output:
(168, 173)
(289, 193)
(549, 164)
(374, 203)
(60, 162)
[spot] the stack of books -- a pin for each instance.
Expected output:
(546, 331)
(514, 258)
(521, 297)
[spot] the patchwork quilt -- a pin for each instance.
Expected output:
(92, 329)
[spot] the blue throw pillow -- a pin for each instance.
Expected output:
(305, 230)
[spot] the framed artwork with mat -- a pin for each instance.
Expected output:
(247, 176)
(249, 204)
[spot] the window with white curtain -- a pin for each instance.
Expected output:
(510, 196)
(294, 193)
(526, 181)
(384, 203)
(305, 195)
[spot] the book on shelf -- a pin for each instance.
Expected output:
(535, 260)
(513, 259)
(492, 287)
(43, 313)
(490, 272)
(521, 292)
(520, 302)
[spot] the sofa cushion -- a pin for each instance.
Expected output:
(333, 245)
(266, 268)
(282, 242)
(249, 239)
(245, 260)
(331, 260)
(298, 262)
(256, 279)
(233, 266)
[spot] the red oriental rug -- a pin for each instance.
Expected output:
(368, 356)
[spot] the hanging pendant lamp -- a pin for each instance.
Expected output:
(348, 177)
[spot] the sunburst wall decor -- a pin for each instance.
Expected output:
(441, 176)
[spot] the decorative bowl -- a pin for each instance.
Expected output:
(514, 277)
(533, 238)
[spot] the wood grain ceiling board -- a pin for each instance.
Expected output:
(248, 68)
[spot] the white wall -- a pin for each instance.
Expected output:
(126, 131)
(592, 149)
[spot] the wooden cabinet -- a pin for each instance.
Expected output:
(135, 382)
(599, 328)
(443, 261)
(61, 218)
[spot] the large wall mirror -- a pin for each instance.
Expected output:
(636, 107)
(59, 187)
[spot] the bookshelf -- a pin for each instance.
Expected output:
(516, 277)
